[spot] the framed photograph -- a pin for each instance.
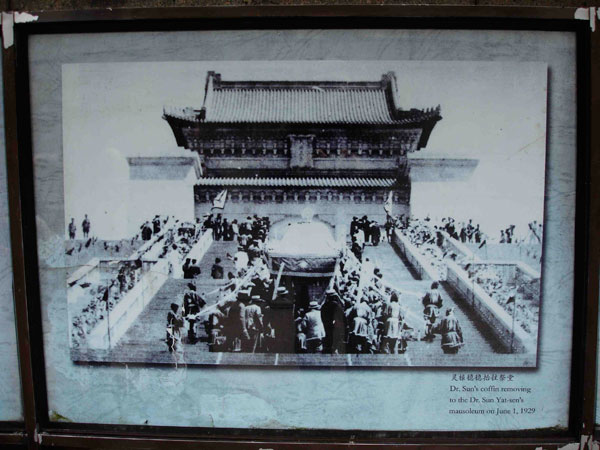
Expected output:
(309, 228)
(306, 227)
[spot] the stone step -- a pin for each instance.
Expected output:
(150, 327)
(391, 264)
(218, 249)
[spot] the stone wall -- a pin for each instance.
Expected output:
(418, 262)
(513, 339)
(487, 309)
(129, 308)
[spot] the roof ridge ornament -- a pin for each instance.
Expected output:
(212, 78)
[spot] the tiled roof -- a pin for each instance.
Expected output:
(297, 182)
(299, 106)
(369, 102)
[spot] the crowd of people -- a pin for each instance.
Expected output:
(98, 247)
(466, 231)
(253, 228)
(128, 275)
(237, 322)
(151, 227)
(173, 240)
(360, 313)
(363, 232)
(357, 313)
(463, 231)
(429, 240)
(429, 237)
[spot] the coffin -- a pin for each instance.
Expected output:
(306, 249)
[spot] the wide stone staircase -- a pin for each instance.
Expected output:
(421, 353)
(218, 249)
(147, 335)
(145, 340)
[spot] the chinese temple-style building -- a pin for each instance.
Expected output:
(278, 146)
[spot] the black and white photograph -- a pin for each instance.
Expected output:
(305, 213)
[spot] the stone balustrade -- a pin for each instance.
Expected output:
(418, 262)
(512, 336)
(508, 332)
(114, 325)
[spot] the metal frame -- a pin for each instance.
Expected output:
(37, 431)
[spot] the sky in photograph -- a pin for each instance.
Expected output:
(494, 112)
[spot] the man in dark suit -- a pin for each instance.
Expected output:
(195, 269)
(332, 314)
(72, 229)
(353, 225)
(146, 231)
(156, 224)
(186, 269)
(192, 304)
(365, 225)
(216, 272)
(85, 226)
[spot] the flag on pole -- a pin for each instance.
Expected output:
(388, 204)
(219, 201)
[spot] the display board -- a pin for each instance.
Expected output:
(430, 177)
